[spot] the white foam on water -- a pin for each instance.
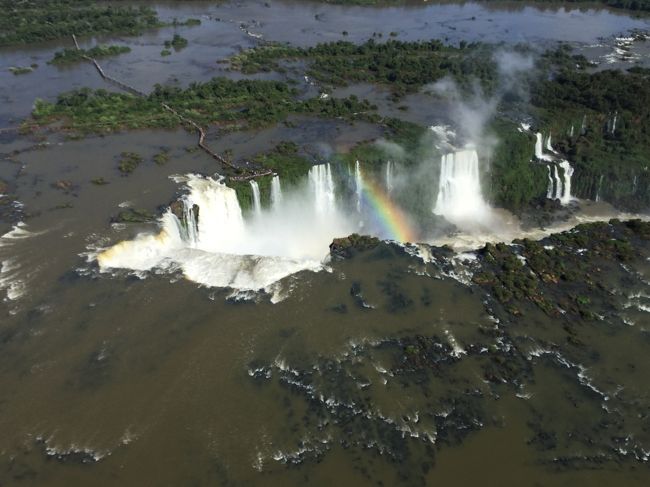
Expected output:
(13, 272)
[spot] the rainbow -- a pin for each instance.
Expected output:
(390, 217)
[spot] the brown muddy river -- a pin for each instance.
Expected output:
(386, 368)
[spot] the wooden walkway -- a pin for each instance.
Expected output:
(188, 121)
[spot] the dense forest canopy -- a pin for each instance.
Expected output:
(29, 21)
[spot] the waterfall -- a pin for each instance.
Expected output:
(213, 217)
(539, 153)
(568, 172)
(276, 191)
(389, 177)
(549, 147)
(257, 205)
(558, 184)
(358, 184)
(571, 132)
(583, 126)
(549, 191)
(600, 185)
(322, 185)
(614, 123)
(539, 148)
(460, 199)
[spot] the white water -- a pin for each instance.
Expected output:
(322, 185)
(460, 199)
(549, 191)
(539, 148)
(276, 191)
(558, 184)
(13, 275)
(389, 177)
(566, 197)
(358, 184)
(257, 204)
(220, 248)
(549, 147)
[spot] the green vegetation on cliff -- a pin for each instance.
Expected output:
(69, 55)
(29, 21)
(287, 162)
(601, 123)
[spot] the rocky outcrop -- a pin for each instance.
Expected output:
(346, 247)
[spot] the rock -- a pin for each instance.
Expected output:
(346, 247)
(64, 185)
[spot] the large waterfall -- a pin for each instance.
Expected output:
(322, 184)
(460, 198)
(257, 203)
(212, 243)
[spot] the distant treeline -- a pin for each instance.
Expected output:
(28, 21)
(621, 4)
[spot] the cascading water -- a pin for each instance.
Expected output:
(358, 184)
(276, 191)
(389, 177)
(460, 199)
(600, 185)
(257, 204)
(568, 172)
(539, 148)
(213, 216)
(549, 191)
(549, 147)
(322, 184)
(212, 243)
(558, 184)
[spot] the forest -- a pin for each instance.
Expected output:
(232, 105)
(70, 55)
(403, 66)
(29, 21)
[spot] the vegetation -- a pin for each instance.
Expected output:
(285, 160)
(31, 21)
(513, 180)
(69, 56)
(177, 42)
(230, 104)
(404, 66)
(21, 69)
(129, 161)
(162, 157)
(552, 276)
(600, 123)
